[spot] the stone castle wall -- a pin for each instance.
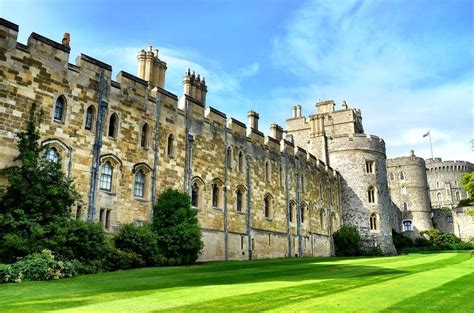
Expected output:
(459, 221)
(444, 181)
(304, 192)
(409, 192)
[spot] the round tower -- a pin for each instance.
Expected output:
(408, 185)
(444, 181)
(361, 161)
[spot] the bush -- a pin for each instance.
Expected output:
(347, 241)
(38, 266)
(374, 251)
(140, 240)
(123, 260)
(446, 241)
(176, 226)
(400, 241)
(422, 242)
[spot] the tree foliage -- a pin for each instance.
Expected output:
(176, 226)
(347, 241)
(467, 181)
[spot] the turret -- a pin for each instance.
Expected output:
(276, 131)
(253, 119)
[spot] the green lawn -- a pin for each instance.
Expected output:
(438, 282)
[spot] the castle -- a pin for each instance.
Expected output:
(126, 140)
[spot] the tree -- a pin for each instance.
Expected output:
(177, 227)
(347, 241)
(467, 181)
(38, 192)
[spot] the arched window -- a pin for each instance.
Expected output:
(241, 161)
(240, 199)
(170, 146)
(144, 136)
(373, 221)
(405, 206)
(371, 194)
(402, 175)
(106, 177)
(139, 190)
(407, 226)
(113, 126)
(197, 187)
(404, 190)
(449, 218)
(303, 212)
(60, 109)
(229, 158)
(52, 155)
(438, 184)
(439, 196)
(292, 212)
(268, 206)
(458, 195)
(90, 117)
(267, 171)
(392, 177)
(215, 195)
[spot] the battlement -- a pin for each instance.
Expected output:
(356, 142)
(437, 164)
(412, 159)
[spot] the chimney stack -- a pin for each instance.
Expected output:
(151, 68)
(298, 111)
(276, 131)
(293, 111)
(253, 119)
(194, 86)
(66, 39)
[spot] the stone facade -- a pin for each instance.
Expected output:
(409, 191)
(459, 221)
(337, 137)
(126, 140)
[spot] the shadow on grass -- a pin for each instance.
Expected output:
(89, 289)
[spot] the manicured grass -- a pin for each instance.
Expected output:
(437, 282)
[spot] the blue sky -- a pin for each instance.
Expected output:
(408, 65)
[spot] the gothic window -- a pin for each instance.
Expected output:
(303, 212)
(371, 194)
(369, 167)
(52, 155)
(292, 212)
(402, 175)
(60, 109)
(90, 117)
(217, 193)
(439, 196)
(449, 218)
(229, 158)
(268, 206)
(106, 177)
(405, 206)
(267, 171)
(239, 200)
(392, 177)
(145, 133)
(170, 146)
(404, 190)
(104, 218)
(241, 161)
(196, 192)
(373, 221)
(458, 195)
(113, 126)
(407, 226)
(139, 190)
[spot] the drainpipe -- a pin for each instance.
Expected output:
(298, 208)
(249, 202)
(186, 186)
(226, 162)
(156, 155)
(96, 150)
(287, 198)
(190, 140)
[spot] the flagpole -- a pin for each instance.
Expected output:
(431, 147)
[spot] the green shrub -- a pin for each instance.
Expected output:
(374, 251)
(422, 242)
(347, 241)
(38, 266)
(176, 226)
(140, 240)
(446, 241)
(400, 241)
(123, 260)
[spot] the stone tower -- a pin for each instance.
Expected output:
(409, 191)
(337, 137)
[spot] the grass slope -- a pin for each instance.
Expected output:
(441, 282)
